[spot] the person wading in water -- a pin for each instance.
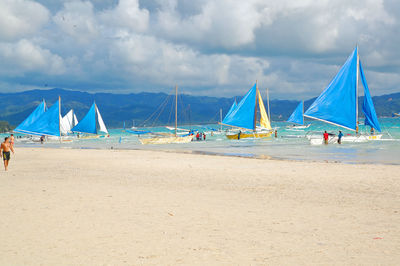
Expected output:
(326, 137)
(340, 136)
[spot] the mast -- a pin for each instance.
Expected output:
(59, 116)
(72, 119)
(220, 118)
(95, 116)
(190, 117)
(269, 115)
(255, 108)
(358, 69)
(176, 109)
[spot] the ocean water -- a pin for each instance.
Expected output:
(290, 144)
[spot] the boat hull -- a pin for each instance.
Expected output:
(166, 140)
(250, 135)
(300, 127)
(318, 140)
(90, 137)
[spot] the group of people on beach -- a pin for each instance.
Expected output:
(6, 148)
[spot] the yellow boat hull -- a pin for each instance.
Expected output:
(374, 137)
(250, 135)
(90, 137)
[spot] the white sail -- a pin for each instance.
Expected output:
(66, 122)
(63, 126)
(101, 122)
(75, 120)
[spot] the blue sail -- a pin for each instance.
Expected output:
(230, 110)
(243, 115)
(297, 115)
(368, 106)
(337, 104)
(25, 125)
(48, 123)
(88, 123)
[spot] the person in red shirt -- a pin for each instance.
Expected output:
(326, 137)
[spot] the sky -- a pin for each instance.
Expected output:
(207, 47)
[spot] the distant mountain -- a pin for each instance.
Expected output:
(152, 108)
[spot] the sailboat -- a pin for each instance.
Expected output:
(68, 122)
(91, 124)
(338, 103)
(25, 126)
(165, 138)
(43, 123)
(135, 131)
(297, 117)
(244, 117)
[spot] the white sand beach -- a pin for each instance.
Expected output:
(109, 207)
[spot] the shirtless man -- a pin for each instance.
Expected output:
(6, 147)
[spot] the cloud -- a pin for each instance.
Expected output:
(223, 23)
(24, 56)
(21, 18)
(77, 19)
(127, 15)
(166, 63)
(208, 47)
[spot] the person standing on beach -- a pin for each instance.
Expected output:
(12, 140)
(6, 147)
(326, 137)
(339, 140)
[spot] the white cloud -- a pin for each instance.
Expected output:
(211, 47)
(223, 23)
(21, 18)
(165, 63)
(127, 15)
(77, 19)
(24, 56)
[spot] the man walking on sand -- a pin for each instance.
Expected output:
(6, 147)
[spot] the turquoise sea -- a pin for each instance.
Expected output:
(289, 145)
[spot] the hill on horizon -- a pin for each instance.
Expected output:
(150, 109)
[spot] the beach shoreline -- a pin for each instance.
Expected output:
(102, 206)
(160, 148)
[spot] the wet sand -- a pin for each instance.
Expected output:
(95, 207)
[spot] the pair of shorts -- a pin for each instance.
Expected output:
(6, 155)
